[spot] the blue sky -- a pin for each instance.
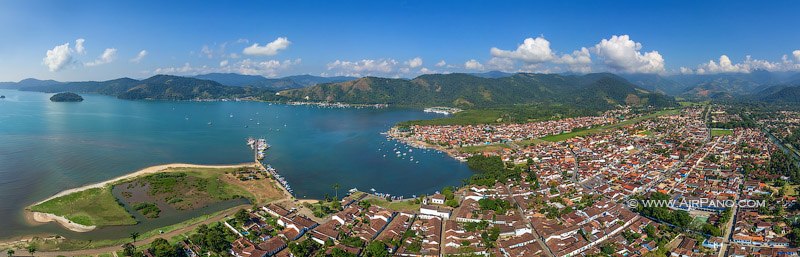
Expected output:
(392, 38)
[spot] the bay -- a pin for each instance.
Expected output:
(46, 147)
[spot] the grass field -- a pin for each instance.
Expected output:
(721, 132)
(698, 222)
(406, 205)
(92, 207)
(565, 136)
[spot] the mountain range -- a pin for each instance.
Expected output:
(476, 90)
(598, 91)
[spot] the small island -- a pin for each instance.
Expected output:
(66, 97)
(2, 97)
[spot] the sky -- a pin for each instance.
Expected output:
(100, 40)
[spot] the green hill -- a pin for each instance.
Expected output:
(161, 87)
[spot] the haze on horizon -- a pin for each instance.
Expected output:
(74, 40)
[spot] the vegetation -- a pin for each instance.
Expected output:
(677, 218)
(66, 97)
(721, 132)
(213, 239)
(162, 248)
(164, 87)
(91, 207)
(600, 91)
(490, 170)
(303, 248)
(584, 132)
(149, 210)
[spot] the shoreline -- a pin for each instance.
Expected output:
(36, 218)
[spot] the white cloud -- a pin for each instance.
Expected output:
(578, 61)
(269, 68)
(413, 63)
(532, 50)
(796, 54)
(725, 65)
(473, 65)
(79, 46)
(622, 54)
(441, 63)
(58, 57)
(500, 64)
(207, 52)
(685, 70)
(425, 71)
(366, 67)
(108, 56)
(269, 49)
(139, 56)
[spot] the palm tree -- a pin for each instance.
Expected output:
(10, 252)
(336, 187)
(134, 236)
(31, 249)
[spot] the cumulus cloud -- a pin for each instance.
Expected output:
(500, 64)
(139, 56)
(413, 63)
(473, 65)
(532, 50)
(441, 63)
(577, 61)
(108, 56)
(364, 67)
(796, 54)
(79, 46)
(271, 48)
(622, 54)
(268, 68)
(58, 57)
(726, 65)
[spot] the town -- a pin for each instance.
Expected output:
(588, 195)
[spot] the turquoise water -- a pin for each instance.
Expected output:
(47, 147)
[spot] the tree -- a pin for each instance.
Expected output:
(336, 188)
(31, 249)
(134, 236)
(129, 249)
(242, 216)
(376, 249)
(10, 252)
(162, 248)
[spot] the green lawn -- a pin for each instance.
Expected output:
(565, 136)
(721, 132)
(92, 207)
(406, 205)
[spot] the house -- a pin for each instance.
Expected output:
(438, 199)
(428, 211)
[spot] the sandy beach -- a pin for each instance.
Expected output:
(39, 217)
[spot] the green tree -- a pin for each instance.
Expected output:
(242, 216)
(10, 252)
(336, 188)
(162, 248)
(128, 249)
(31, 249)
(376, 249)
(134, 236)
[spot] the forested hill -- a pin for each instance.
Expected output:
(598, 91)
(161, 87)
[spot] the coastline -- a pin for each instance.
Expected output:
(40, 218)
